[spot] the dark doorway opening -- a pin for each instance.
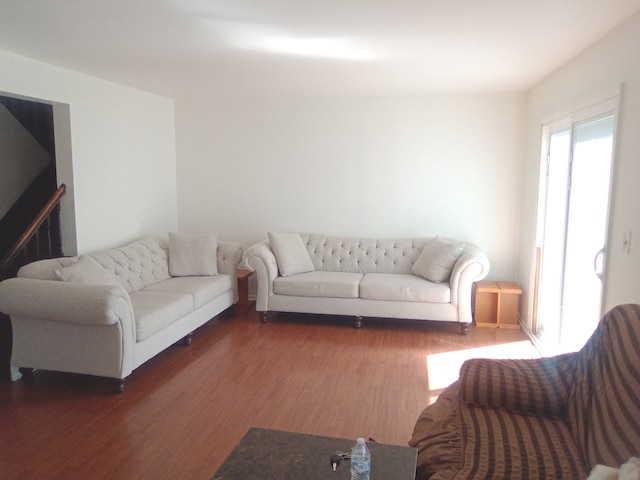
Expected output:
(37, 119)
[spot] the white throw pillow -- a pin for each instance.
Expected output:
(291, 254)
(192, 254)
(437, 259)
(86, 270)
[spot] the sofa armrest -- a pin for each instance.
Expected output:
(471, 266)
(538, 386)
(260, 259)
(438, 438)
(67, 302)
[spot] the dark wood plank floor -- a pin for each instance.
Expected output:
(183, 411)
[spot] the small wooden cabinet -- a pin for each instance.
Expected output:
(496, 304)
(243, 290)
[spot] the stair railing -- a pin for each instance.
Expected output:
(33, 228)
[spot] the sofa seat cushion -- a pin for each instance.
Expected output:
(498, 443)
(156, 310)
(319, 284)
(202, 289)
(403, 287)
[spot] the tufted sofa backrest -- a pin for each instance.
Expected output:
(363, 255)
(139, 264)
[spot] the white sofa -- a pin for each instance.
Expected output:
(414, 278)
(107, 313)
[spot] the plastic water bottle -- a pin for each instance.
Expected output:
(360, 461)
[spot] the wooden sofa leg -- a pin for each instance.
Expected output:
(118, 385)
(186, 340)
(464, 328)
(263, 317)
(357, 322)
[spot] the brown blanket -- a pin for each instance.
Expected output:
(554, 417)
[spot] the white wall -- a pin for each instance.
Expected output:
(447, 165)
(120, 168)
(589, 78)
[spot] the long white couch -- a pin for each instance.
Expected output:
(107, 313)
(415, 278)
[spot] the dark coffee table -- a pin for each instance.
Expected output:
(274, 455)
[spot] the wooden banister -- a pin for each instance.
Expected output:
(34, 226)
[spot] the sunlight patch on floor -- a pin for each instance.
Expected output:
(443, 368)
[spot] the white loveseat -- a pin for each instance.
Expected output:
(107, 313)
(414, 278)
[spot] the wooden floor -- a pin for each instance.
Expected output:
(183, 411)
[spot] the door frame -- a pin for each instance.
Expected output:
(609, 105)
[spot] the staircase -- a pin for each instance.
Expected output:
(35, 243)
(37, 240)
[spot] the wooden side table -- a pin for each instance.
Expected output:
(496, 304)
(243, 290)
(6, 341)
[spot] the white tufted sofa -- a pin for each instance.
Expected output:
(127, 309)
(363, 277)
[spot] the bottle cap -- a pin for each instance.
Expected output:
(360, 441)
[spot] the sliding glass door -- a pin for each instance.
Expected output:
(573, 229)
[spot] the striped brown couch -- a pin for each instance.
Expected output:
(548, 418)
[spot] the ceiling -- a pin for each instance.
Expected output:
(191, 47)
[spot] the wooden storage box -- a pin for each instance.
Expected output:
(496, 304)
(486, 304)
(508, 304)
